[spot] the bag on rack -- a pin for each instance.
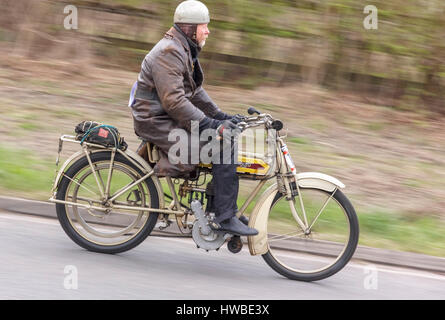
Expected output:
(101, 134)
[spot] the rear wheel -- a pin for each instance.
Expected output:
(325, 238)
(106, 229)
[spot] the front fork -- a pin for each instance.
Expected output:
(288, 182)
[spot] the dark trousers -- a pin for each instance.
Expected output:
(225, 183)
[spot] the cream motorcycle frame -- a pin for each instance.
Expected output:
(283, 171)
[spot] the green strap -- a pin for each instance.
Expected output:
(101, 126)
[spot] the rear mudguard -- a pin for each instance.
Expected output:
(258, 218)
(143, 165)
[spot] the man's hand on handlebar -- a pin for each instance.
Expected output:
(238, 123)
(226, 124)
(228, 130)
(237, 118)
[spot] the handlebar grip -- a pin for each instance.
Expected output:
(252, 111)
(277, 125)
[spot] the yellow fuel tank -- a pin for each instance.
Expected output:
(248, 166)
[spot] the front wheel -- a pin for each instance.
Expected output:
(325, 237)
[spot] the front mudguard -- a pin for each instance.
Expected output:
(258, 218)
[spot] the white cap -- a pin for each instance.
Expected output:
(192, 11)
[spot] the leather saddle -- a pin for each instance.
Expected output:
(151, 154)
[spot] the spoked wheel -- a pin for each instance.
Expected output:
(105, 228)
(325, 237)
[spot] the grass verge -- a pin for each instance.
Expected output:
(25, 174)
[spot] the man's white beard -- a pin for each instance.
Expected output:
(202, 44)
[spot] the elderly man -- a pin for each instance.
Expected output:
(170, 96)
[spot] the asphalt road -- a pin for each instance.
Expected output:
(40, 262)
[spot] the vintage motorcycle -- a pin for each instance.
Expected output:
(109, 200)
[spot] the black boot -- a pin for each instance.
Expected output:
(234, 226)
(244, 220)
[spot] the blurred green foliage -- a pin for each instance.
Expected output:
(21, 170)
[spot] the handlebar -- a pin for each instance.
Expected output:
(252, 111)
(255, 121)
(260, 119)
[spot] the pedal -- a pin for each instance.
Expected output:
(235, 245)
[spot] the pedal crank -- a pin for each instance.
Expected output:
(235, 245)
(204, 237)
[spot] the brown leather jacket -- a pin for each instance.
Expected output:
(168, 98)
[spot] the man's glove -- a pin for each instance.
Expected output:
(226, 124)
(219, 125)
(222, 116)
(237, 118)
